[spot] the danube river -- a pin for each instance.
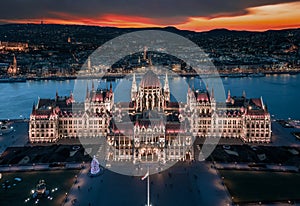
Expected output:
(280, 93)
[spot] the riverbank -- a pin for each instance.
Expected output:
(112, 76)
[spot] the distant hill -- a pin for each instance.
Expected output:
(17, 32)
(49, 35)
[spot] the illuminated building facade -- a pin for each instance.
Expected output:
(62, 117)
(238, 117)
(150, 127)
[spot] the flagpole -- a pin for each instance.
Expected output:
(148, 189)
(147, 175)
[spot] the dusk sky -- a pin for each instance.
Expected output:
(198, 15)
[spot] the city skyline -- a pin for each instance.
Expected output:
(190, 15)
(196, 97)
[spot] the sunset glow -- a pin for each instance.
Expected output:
(258, 19)
(278, 16)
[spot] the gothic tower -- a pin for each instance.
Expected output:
(167, 89)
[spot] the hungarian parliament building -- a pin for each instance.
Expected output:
(150, 127)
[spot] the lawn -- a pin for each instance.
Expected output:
(259, 186)
(16, 195)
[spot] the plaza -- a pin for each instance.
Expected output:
(17, 192)
(184, 184)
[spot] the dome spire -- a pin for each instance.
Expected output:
(133, 87)
(150, 80)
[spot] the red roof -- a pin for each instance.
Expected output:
(150, 80)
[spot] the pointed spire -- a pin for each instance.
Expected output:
(110, 87)
(15, 62)
(37, 104)
(262, 102)
(71, 96)
(93, 86)
(56, 95)
(89, 63)
(228, 97)
(244, 94)
(133, 87)
(87, 92)
(212, 93)
(166, 86)
(145, 53)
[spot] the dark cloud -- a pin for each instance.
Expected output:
(161, 11)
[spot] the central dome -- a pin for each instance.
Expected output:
(150, 80)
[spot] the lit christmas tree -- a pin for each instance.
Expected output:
(95, 169)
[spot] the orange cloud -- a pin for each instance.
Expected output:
(261, 18)
(113, 20)
(278, 16)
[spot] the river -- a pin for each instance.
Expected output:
(280, 93)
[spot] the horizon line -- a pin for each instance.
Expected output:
(149, 27)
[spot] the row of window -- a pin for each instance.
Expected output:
(70, 122)
(42, 126)
(257, 135)
(51, 125)
(258, 126)
(42, 135)
(75, 131)
(220, 131)
(79, 127)
(225, 122)
(42, 131)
